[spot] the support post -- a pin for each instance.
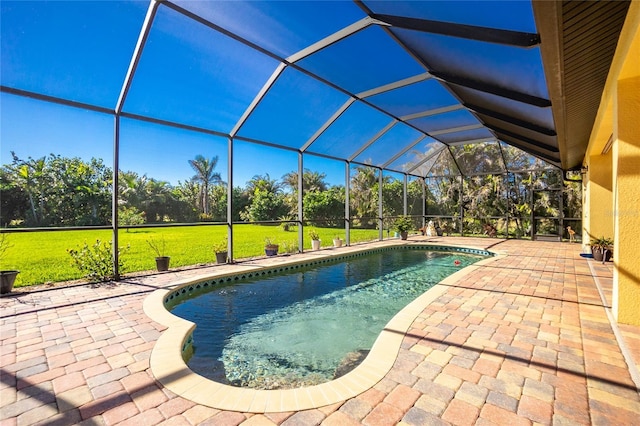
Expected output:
(424, 201)
(405, 207)
(507, 184)
(114, 198)
(347, 207)
(300, 202)
(380, 207)
(461, 206)
(532, 227)
(230, 199)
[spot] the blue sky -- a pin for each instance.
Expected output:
(36, 129)
(193, 75)
(87, 63)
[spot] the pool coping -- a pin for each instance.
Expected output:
(169, 368)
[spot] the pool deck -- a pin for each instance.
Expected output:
(526, 339)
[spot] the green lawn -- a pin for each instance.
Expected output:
(42, 257)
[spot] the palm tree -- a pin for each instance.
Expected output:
(263, 183)
(205, 176)
(157, 197)
(364, 184)
(311, 181)
(132, 189)
(29, 175)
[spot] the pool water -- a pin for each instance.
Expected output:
(308, 326)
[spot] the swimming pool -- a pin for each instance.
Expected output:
(310, 324)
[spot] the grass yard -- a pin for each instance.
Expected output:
(42, 257)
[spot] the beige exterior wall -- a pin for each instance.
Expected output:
(627, 202)
(599, 198)
(612, 183)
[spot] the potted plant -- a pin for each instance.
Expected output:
(270, 249)
(7, 277)
(162, 261)
(602, 248)
(315, 239)
(337, 241)
(403, 224)
(221, 251)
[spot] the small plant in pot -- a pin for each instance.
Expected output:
(315, 239)
(221, 250)
(270, 248)
(602, 248)
(7, 277)
(337, 241)
(402, 225)
(159, 247)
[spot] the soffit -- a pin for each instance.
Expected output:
(579, 39)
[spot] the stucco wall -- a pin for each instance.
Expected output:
(600, 197)
(627, 202)
(612, 196)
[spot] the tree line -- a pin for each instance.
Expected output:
(61, 191)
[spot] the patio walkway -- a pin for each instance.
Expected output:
(524, 340)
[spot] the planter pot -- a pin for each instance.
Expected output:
(404, 235)
(271, 250)
(601, 255)
(439, 232)
(315, 244)
(7, 278)
(221, 257)
(162, 263)
(337, 242)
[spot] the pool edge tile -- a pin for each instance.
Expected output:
(259, 403)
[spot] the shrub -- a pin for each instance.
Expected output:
(403, 224)
(95, 262)
(4, 245)
(130, 216)
(287, 223)
(289, 247)
(205, 217)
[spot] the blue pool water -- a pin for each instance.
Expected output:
(306, 327)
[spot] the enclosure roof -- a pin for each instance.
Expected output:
(419, 87)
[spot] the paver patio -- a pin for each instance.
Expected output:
(524, 340)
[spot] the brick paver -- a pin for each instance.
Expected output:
(522, 340)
